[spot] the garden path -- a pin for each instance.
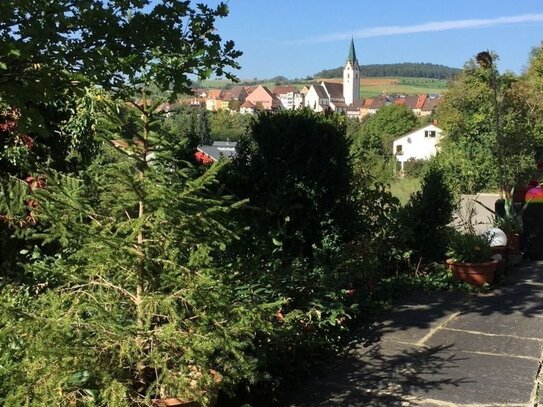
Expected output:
(447, 349)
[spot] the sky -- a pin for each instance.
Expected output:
(298, 38)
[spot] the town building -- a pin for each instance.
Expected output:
(351, 78)
(263, 99)
(420, 144)
(219, 149)
(289, 96)
(340, 97)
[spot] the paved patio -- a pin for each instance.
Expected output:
(445, 350)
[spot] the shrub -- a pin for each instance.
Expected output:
(414, 168)
(426, 216)
(294, 168)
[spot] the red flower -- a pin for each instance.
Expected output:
(539, 165)
(533, 183)
(27, 140)
(203, 158)
(8, 126)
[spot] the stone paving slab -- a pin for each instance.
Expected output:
(479, 379)
(515, 324)
(391, 374)
(495, 344)
(527, 274)
(444, 350)
(416, 318)
(522, 297)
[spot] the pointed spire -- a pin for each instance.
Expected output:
(352, 54)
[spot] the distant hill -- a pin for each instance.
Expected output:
(406, 69)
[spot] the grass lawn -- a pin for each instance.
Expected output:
(402, 188)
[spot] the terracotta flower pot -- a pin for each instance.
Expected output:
(173, 402)
(474, 273)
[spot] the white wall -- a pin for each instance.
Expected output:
(313, 101)
(351, 83)
(288, 99)
(416, 146)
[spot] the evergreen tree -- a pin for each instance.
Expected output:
(426, 216)
(134, 305)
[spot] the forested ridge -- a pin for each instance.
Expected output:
(407, 69)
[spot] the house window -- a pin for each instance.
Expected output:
(348, 76)
(399, 149)
(429, 133)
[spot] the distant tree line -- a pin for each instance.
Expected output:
(276, 80)
(407, 69)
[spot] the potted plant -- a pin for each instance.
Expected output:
(470, 258)
(510, 222)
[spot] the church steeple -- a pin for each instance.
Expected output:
(351, 77)
(352, 53)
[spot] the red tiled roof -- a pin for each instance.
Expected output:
(431, 104)
(248, 105)
(249, 89)
(367, 103)
(355, 106)
(226, 95)
(214, 94)
(408, 101)
(238, 92)
(282, 89)
(379, 102)
(420, 101)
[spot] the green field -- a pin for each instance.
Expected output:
(402, 188)
(370, 87)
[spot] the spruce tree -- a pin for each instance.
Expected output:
(134, 305)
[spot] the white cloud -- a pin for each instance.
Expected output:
(432, 26)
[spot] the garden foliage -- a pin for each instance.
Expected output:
(294, 168)
(135, 303)
(470, 148)
(130, 274)
(426, 217)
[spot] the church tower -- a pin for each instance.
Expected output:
(351, 77)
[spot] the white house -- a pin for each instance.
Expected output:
(287, 95)
(299, 98)
(420, 144)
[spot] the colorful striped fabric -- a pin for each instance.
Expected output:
(534, 195)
